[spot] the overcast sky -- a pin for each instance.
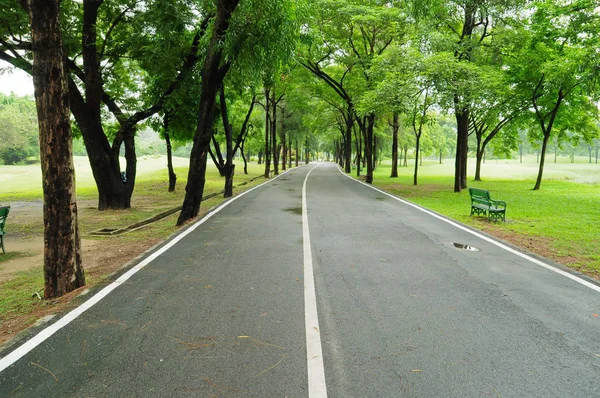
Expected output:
(15, 81)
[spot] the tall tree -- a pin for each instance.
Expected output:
(556, 66)
(106, 45)
(245, 36)
(63, 271)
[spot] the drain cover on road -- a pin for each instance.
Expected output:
(465, 247)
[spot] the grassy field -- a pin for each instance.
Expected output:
(560, 221)
(102, 255)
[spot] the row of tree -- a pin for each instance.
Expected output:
(343, 72)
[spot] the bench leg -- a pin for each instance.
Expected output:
(2, 243)
(497, 216)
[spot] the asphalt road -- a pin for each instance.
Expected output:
(402, 312)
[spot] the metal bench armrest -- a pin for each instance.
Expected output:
(499, 203)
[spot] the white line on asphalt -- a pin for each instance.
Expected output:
(314, 353)
(71, 316)
(487, 239)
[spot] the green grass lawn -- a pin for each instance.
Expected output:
(560, 221)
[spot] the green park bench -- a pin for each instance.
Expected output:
(3, 215)
(482, 204)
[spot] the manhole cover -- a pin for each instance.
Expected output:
(465, 247)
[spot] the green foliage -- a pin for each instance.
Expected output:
(18, 129)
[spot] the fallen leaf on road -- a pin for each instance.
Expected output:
(417, 370)
(243, 337)
(208, 287)
(596, 315)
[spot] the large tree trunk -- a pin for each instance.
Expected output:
(213, 74)
(172, 175)
(297, 153)
(114, 189)
(63, 271)
(395, 129)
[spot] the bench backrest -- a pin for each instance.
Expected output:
(479, 195)
(3, 215)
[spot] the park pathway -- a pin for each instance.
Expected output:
(398, 310)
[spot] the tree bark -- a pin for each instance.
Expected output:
(290, 152)
(274, 145)
(63, 270)
(213, 74)
(462, 141)
(172, 175)
(479, 158)
(267, 133)
(229, 166)
(538, 182)
(395, 129)
(297, 153)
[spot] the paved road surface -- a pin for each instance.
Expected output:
(401, 311)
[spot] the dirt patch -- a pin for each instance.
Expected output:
(100, 257)
(541, 246)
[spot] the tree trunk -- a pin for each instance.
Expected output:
(538, 182)
(462, 121)
(375, 153)
(244, 157)
(395, 129)
(289, 152)
(520, 153)
(63, 271)
(267, 133)
(229, 166)
(114, 188)
(369, 124)
(479, 157)
(172, 175)
(274, 145)
(358, 140)
(260, 157)
(213, 74)
(348, 143)
(417, 151)
(306, 153)
(297, 153)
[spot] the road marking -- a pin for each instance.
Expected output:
(487, 239)
(71, 316)
(314, 353)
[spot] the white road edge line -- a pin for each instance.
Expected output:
(314, 353)
(71, 316)
(487, 239)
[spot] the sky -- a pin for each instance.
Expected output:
(15, 81)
